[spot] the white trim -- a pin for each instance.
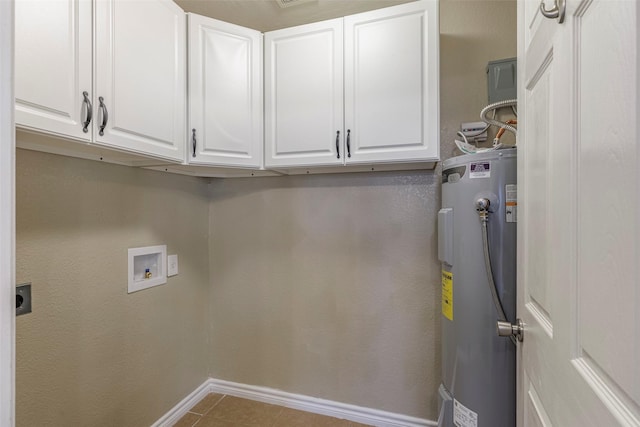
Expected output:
(178, 411)
(330, 408)
(7, 218)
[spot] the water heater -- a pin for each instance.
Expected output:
(478, 367)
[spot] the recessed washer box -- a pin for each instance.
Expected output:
(147, 267)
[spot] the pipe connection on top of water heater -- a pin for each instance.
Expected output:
(509, 125)
(494, 121)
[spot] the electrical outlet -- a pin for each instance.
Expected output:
(172, 265)
(23, 299)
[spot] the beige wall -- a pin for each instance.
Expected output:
(329, 285)
(89, 354)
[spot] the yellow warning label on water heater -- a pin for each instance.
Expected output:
(447, 294)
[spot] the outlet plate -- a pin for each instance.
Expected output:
(172, 265)
(23, 299)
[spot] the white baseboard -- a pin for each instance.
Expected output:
(330, 408)
(178, 411)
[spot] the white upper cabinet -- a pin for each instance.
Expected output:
(140, 75)
(391, 84)
(359, 90)
(53, 66)
(304, 95)
(136, 86)
(383, 109)
(225, 94)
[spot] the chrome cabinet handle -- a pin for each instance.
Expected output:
(348, 142)
(557, 11)
(87, 102)
(105, 115)
(338, 143)
(193, 141)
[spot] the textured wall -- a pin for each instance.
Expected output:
(329, 285)
(89, 354)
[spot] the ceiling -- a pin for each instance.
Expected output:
(266, 15)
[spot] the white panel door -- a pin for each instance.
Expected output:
(140, 75)
(53, 66)
(579, 229)
(304, 95)
(225, 94)
(391, 84)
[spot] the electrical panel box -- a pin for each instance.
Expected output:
(502, 80)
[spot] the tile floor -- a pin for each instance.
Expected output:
(217, 410)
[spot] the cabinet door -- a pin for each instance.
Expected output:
(391, 83)
(304, 91)
(225, 94)
(140, 71)
(53, 66)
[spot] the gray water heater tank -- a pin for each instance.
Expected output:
(478, 367)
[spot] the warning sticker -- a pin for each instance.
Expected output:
(480, 170)
(447, 294)
(463, 416)
(511, 202)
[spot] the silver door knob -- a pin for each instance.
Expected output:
(556, 12)
(506, 329)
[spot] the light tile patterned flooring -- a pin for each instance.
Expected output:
(217, 410)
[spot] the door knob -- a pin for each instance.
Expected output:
(557, 11)
(506, 329)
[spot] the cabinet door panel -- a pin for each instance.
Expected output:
(53, 65)
(225, 93)
(140, 72)
(304, 92)
(391, 83)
